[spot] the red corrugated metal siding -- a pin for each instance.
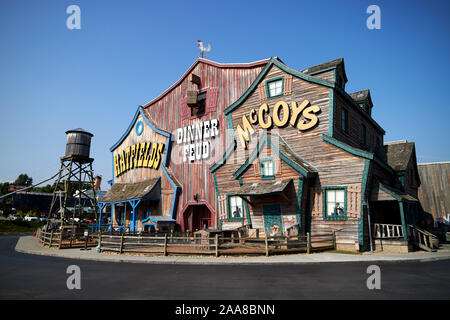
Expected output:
(231, 82)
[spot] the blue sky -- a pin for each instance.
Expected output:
(128, 52)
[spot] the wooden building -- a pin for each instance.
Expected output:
(265, 146)
(434, 192)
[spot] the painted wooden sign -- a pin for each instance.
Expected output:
(281, 116)
(195, 139)
(140, 155)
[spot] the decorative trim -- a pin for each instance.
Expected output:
(300, 202)
(331, 113)
(364, 180)
(139, 128)
(286, 69)
(249, 219)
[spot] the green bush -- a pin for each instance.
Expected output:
(20, 226)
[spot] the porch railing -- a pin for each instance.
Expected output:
(388, 231)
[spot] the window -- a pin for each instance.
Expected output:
(199, 109)
(344, 120)
(363, 134)
(267, 168)
(236, 208)
(335, 203)
(274, 88)
(378, 142)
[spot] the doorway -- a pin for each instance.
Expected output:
(197, 217)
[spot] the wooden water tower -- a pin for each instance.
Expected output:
(75, 183)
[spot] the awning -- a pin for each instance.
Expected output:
(382, 192)
(158, 219)
(262, 188)
(130, 191)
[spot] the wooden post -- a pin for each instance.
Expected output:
(121, 243)
(71, 238)
(334, 240)
(267, 246)
(86, 242)
(60, 239)
(165, 244)
(308, 243)
(217, 245)
(51, 239)
(100, 241)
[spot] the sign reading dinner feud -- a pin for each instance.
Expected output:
(195, 139)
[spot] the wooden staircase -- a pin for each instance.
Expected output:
(423, 239)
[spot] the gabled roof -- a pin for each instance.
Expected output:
(276, 62)
(359, 96)
(323, 66)
(130, 191)
(262, 188)
(211, 63)
(398, 154)
(148, 121)
(391, 192)
(283, 151)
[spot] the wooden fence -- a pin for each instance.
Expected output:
(63, 240)
(172, 243)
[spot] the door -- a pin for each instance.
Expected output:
(201, 217)
(273, 222)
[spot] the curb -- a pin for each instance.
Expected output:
(219, 262)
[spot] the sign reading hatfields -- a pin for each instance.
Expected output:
(140, 155)
(280, 117)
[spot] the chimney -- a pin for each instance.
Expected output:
(97, 182)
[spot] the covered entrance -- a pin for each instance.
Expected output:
(197, 217)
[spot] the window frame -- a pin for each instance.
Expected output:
(261, 168)
(325, 203)
(268, 90)
(345, 124)
(363, 134)
(229, 213)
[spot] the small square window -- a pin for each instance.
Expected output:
(334, 204)
(267, 168)
(274, 88)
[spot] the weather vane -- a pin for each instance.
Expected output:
(203, 49)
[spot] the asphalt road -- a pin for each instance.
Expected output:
(25, 276)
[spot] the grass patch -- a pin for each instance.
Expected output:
(19, 226)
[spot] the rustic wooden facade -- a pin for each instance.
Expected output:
(293, 153)
(434, 192)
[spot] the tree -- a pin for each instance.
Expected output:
(23, 180)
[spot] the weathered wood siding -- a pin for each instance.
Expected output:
(335, 167)
(230, 82)
(434, 192)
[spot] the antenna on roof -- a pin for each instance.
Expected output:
(203, 49)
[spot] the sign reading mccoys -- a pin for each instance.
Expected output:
(141, 155)
(267, 120)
